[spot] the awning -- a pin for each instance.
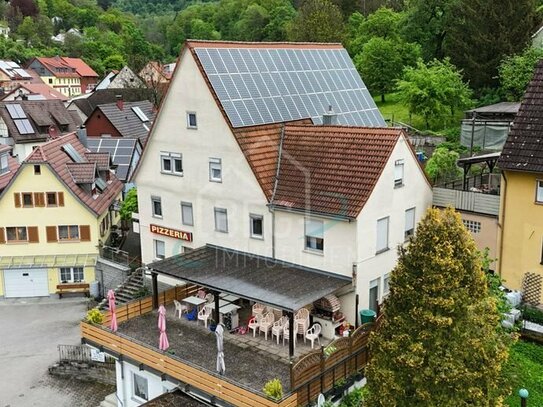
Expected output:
(53, 260)
(272, 282)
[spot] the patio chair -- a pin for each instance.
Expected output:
(313, 333)
(277, 328)
(286, 332)
(301, 322)
(204, 315)
(258, 309)
(210, 298)
(254, 323)
(266, 324)
(180, 308)
(201, 294)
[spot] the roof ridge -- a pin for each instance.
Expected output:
(264, 42)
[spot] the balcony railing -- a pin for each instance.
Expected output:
(476, 202)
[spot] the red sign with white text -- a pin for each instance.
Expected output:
(176, 234)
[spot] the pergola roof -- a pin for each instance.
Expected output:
(272, 282)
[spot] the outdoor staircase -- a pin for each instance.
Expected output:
(128, 290)
(109, 401)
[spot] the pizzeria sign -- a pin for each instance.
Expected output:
(176, 234)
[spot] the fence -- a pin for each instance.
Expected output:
(116, 255)
(81, 353)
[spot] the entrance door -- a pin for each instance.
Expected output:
(26, 283)
(374, 295)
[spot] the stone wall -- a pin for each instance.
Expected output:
(110, 275)
(97, 372)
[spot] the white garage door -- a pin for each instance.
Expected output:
(26, 283)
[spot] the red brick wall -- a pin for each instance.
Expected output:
(97, 125)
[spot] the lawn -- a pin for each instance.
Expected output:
(525, 368)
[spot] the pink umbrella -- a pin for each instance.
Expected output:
(163, 343)
(111, 299)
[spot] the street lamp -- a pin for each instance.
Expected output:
(523, 393)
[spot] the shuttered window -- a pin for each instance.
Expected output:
(60, 198)
(16, 234)
(28, 202)
(33, 235)
(2, 236)
(409, 223)
(382, 235)
(39, 199)
(314, 234)
(221, 220)
(84, 233)
(51, 233)
(17, 199)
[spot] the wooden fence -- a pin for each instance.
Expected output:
(317, 372)
(80, 353)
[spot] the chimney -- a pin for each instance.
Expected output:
(82, 135)
(120, 102)
(329, 118)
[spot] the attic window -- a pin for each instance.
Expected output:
(191, 120)
(539, 192)
(37, 169)
(4, 166)
(101, 184)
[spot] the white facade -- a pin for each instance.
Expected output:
(349, 246)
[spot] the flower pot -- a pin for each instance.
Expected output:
(212, 328)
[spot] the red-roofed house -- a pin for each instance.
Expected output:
(34, 91)
(57, 209)
(69, 76)
(8, 166)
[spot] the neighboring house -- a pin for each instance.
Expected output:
(238, 158)
(4, 29)
(56, 212)
(34, 91)
(125, 78)
(61, 37)
(121, 119)
(521, 215)
(155, 73)
(69, 76)
(12, 75)
(8, 166)
(84, 105)
(26, 124)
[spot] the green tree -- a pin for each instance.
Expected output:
(384, 23)
(516, 71)
(481, 33)
(129, 205)
(442, 165)
(435, 90)
(280, 18)
(440, 342)
(114, 62)
(252, 24)
(317, 21)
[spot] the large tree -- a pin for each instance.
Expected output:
(440, 342)
(481, 33)
(317, 21)
(516, 71)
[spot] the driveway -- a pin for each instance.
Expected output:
(30, 330)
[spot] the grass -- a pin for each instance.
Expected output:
(525, 369)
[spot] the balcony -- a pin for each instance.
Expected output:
(190, 360)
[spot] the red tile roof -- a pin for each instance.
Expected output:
(53, 154)
(242, 44)
(82, 173)
(58, 63)
(42, 89)
(80, 67)
(102, 160)
(13, 166)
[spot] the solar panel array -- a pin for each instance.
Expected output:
(18, 115)
(271, 85)
(121, 150)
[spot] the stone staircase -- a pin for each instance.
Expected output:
(128, 290)
(109, 401)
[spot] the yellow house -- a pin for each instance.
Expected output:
(55, 213)
(521, 214)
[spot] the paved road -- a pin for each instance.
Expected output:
(30, 330)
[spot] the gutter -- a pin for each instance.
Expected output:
(276, 182)
(501, 226)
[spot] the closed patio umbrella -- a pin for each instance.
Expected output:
(111, 300)
(163, 343)
(219, 332)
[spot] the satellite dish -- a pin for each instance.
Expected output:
(320, 400)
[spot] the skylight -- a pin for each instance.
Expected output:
(140, 114)
(72, 152)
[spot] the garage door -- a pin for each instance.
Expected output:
(26, 283)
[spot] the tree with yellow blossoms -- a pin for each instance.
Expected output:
(440, 343)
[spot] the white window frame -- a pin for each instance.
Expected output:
(215, 164)
(72, 271)
(69, 229)
(473, 226)
(382, 248)
(134, 395)
(386, 285)
(156, 245)
(253, 217)
(172, 158)
(17, 234)
(409, 229)
(189, 125)
(398, 173)
(4, 163)
(539, 191)
(375, 283)
(224, 211)
(184, 220)
(159, 200)
(313, 232)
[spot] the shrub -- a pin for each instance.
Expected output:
(273, 389)
(95, 316)
(532, 314)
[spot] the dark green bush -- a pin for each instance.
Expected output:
(532, 314)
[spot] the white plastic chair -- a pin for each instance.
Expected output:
(258, 309)
(277, 328)
(254, 323)
(210, 298)
(301, 322)
(180, 308)
(204, 314)
(286, 333)
(313, 333)
(266, 324)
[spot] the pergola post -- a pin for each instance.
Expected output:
(291, 335)
(217, 298)
(154, 279)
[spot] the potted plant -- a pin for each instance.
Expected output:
(212, 325)
(338, 390)
(94, 316)
(273, 389)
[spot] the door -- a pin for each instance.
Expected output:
(26, 283)
(374, 295)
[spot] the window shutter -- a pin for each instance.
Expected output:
(39, 199)
(314, 228)
(410, 219)
(382, 234)
(2, 236)
(17, 199)
(84, 233)
(61, 199)
(51, 232)
(33, 236)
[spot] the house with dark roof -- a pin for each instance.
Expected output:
(125, 78)
(12, 75)
(57, 210)
(26, 124)
(521, 216)
(124, 152)
(69, 76)
(34, 91)
(121, 120)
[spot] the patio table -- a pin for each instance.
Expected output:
(222, 303)
(194, 301)
(229, 297)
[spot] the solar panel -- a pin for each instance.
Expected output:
(259, 85)
(16, 111)
(100, 184)
(24, 126)
(140, 114)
